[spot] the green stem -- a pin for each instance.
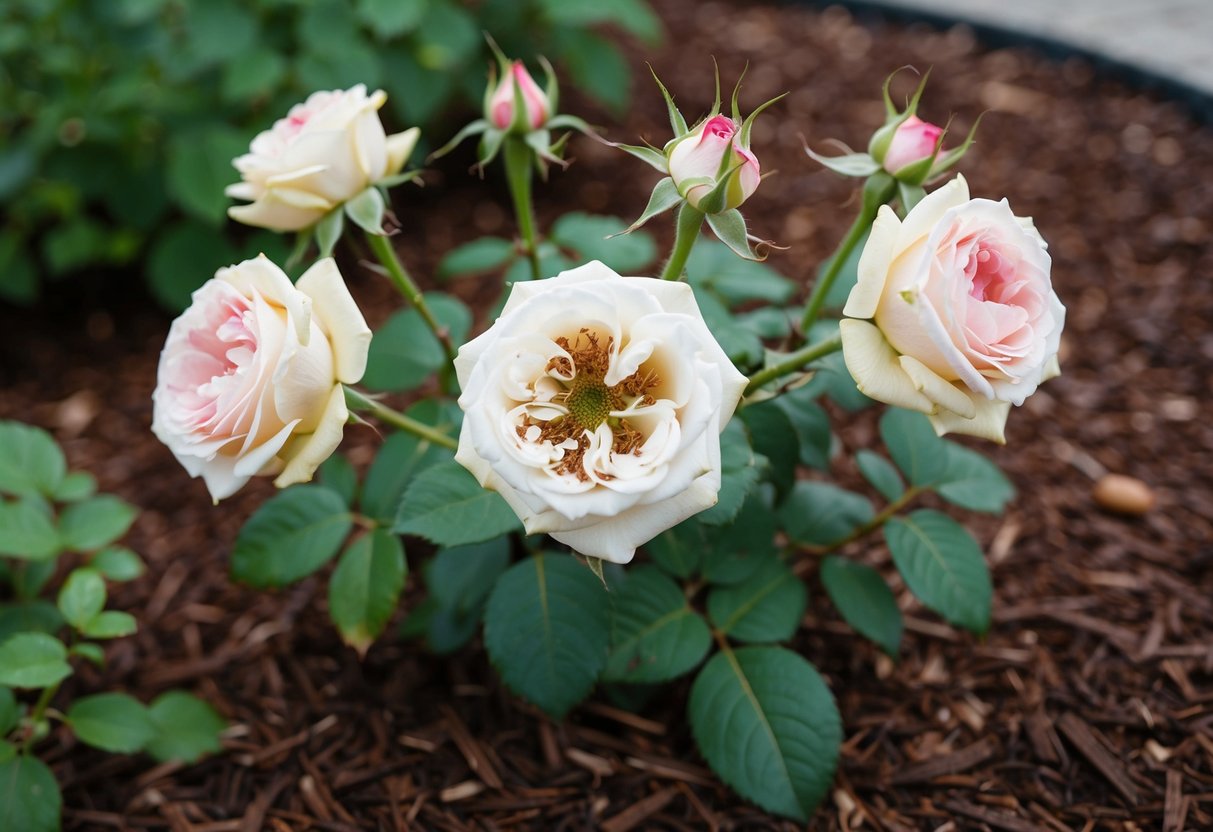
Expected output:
(793, 362)
(359, 401)
(518, 169)
(36, 715)
(382, 247)
(877, 190)
(887, 513)
(690, 220)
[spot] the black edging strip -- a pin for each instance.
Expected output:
(1199, 102)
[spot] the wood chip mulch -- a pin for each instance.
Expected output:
(1088, 707)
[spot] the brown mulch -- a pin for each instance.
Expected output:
(1090, 704)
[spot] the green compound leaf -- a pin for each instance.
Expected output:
(864, 600)
(75, 486)
(365, 587)
(767, 725)
(337, 473)
(482, 255)
(27, 531)
(739, 474)
(821, 514)
(33, 660)
(765, 607)
(971, 481)
(546, 629)
(446, 505)
(881, 474)
(943, 565)
(29, 796)
(913, 445)
(82, 596)
(9, 711)
(291, 536)
(461, 577)
(655, 635)
(112, 722)
(401, 457)
(404, 352)
(587, 235)
(95, 522)
(184, 728)
(30, 461)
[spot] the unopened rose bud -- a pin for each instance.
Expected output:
(913, 141)
(501, 104)
(699, 160)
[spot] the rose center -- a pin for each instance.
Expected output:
(589, 401)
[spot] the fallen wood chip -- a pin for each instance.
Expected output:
(637, 813)
(461, 791)
(1175, 807)
(953, 763)
(477, 760)
(1088, 742)
(1043, 737)
(598, 766)
(993, 817)
(619, 715)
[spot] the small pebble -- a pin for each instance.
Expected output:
(1126, 495)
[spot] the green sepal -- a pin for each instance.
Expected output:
(595, 565)
(568, 122)
(664, 197)
(736, 110)
(302, 240)
(490, 146)
(503, 63)
(747, 125)
(945, 161)
(651, 156)
(717, 198)
(716, 98)
(551, 88)
(521, 123)
(910, 195)
(878, 146)
(729, 228)
(397, 179)
(677, 123)
(328, 231)
(366, 210)
(852, 164)
(474, 128)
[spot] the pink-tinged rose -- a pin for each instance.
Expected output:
(250, 377)
(913, 141)
(695, 163)
(535, 100)
(594, 406)
(327, 150)
(954, 313)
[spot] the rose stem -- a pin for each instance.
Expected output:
(877, 190)
(689, 222)
(356, 400)
(793, 361)
(382, 247)
(38, 712)
(518, 174)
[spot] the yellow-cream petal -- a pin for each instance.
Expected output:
(875, 368)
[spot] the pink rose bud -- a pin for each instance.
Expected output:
(501, 105)
(914, 141)
(699, 155)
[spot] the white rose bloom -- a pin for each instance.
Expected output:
(594, 406)
(250, 377)
(326, 151)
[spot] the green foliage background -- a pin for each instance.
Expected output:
(119, 119)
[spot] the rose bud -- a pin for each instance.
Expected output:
(698, 161)
(250, 377)
(913, 141)
(500, 109)
(954, 313)
(326, 151)
(594, 406)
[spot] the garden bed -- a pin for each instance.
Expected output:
(1090, 704)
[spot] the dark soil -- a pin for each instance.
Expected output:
(1090, 704)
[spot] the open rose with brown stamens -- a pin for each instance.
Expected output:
(594, 405)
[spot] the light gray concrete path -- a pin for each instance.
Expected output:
(1168, 38)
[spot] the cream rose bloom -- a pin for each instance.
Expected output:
(594, 406)
(954, 314)
(250, 377)
(327, 150)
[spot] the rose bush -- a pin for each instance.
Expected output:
(699, 160)
(594, 406)
(250, 376)
(954, 313)
(326, 151)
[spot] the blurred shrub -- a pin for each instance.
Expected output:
(119, 118)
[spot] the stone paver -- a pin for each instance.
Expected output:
(1168, 38)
